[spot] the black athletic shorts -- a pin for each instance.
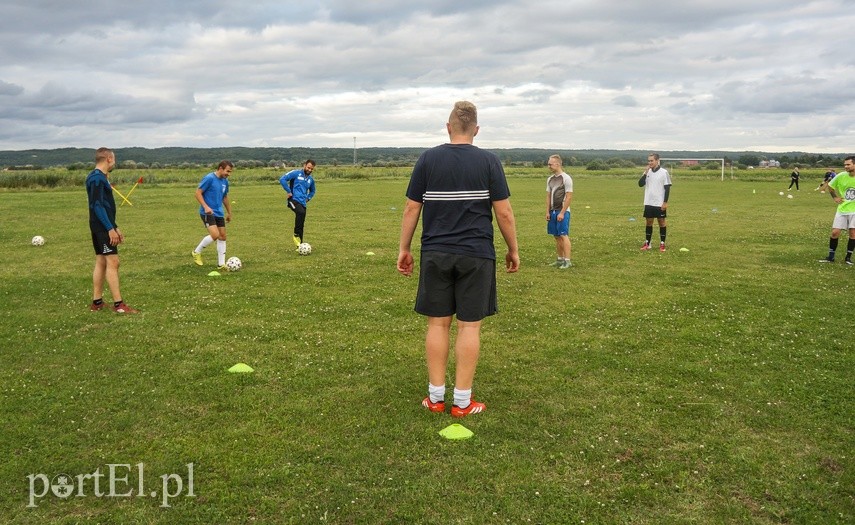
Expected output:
(654, 212)
(452, 284)
(210, 220)
(101, 242)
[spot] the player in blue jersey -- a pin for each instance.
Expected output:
(106, 236)
(215, 211)
(456, 187)
(300, 187)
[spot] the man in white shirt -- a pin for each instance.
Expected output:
(657, 186)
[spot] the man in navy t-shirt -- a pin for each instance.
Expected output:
(456, 187)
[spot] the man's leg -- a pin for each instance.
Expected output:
(299, 220)
(221, 246)
(98, 275)
(564, 241)
(112, 276)
(467, 349)
(850, 247)
(436, 348)
(648, 232)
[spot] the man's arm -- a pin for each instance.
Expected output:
(201, 199)
(643, 180)
(412, 211)
(228, 206)
(667, 194)
(508, 227)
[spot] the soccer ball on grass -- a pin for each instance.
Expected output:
(38, 240)
(304, 248)
(233, 264)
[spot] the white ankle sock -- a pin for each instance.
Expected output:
(462, 398)
(436, 393)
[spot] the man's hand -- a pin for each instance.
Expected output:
(405, 263)
(512, 262)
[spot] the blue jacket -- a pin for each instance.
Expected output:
(102, 207)
(300, 185)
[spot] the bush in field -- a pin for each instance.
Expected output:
(598, 165)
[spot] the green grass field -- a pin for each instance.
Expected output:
(708, 386)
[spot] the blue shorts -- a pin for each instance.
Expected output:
(553, 227)
(451, 284)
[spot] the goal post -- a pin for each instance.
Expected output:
(686, 160)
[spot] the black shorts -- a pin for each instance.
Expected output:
(654, 212)
(101, 242)
(210, 220)
(452, 284)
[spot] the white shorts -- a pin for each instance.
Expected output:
(844, 221)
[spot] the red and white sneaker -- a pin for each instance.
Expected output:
(122, 308)
(661, 246)
(96, 307)
(473, 408)
(645, 246)
(439, 406)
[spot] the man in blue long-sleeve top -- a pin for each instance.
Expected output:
(300, 187)
(106, 235)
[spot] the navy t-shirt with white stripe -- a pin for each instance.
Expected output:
(456, 184)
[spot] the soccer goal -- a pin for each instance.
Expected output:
(687, 163)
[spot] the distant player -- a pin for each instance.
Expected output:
(842, 190)
(830, 174)
(657, 187)
(299, 185)
(559, 192)
(794, 179)
(215, 211)
(106, 236)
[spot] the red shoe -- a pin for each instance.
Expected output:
(645, 246)
(473, 408)
(95, 307)
(439, 406)
(125, 309)
(661, 246)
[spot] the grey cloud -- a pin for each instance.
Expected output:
(627, 101)
(10, 89)
(381, 67)
(786, 95)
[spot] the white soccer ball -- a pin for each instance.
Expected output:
(789, 196)
(781, 193)
(38, 240)
(304, 248)
(233, 264)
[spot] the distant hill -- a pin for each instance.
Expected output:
(162, 157)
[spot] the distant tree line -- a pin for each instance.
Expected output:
(281, 158)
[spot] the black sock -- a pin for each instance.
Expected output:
(662, 233)
(117, 303)
(850, 247)
(98, 302)
(832, 247)
(648, 233)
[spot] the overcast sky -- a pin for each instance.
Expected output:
(771, 75)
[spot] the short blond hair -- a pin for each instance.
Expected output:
(558, 158)
(464, 117)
